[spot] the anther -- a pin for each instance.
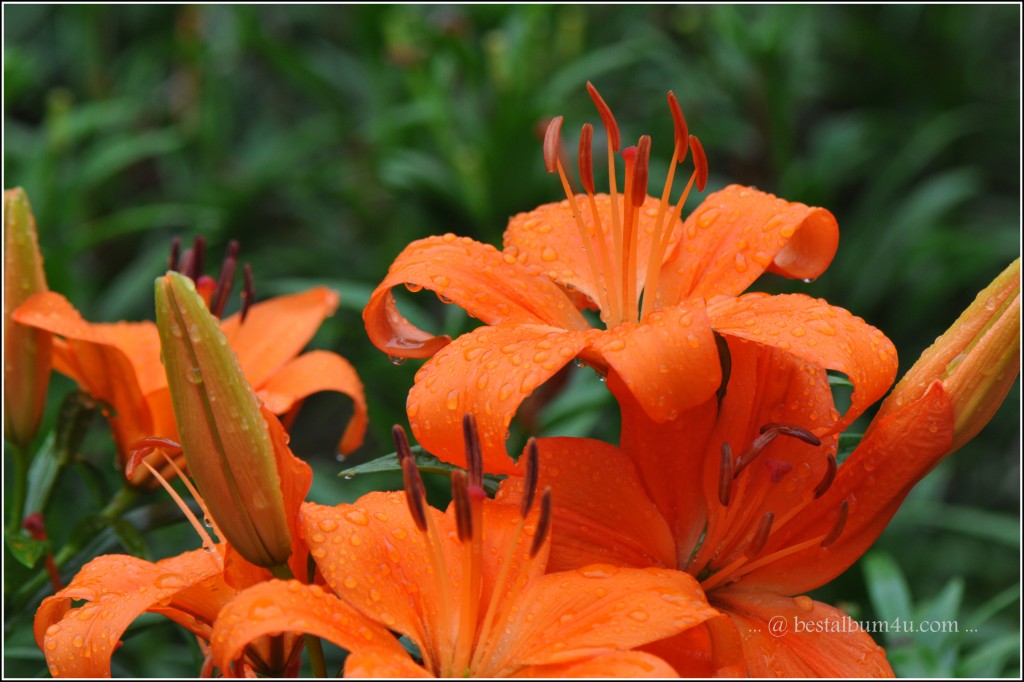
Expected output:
(142, 448)
(248, 293)
(463, 509)
(725, 360)
(830, 475)
(192, 263)
(551, 144)
(543, 523)
(606, 116)
(402, 448)
(837, 527)
(226, 279)
(640, 170)
(726, 477)
(681, 130)
(172, 262)
(474, 457)
(586, 158)
(415, 495)
(793, 431)
(530, 478)
(700, 162)
(760, 538)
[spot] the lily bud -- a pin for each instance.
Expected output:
(977, 359)
(27, 351)
(224, 437)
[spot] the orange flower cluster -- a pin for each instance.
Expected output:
(666, 555)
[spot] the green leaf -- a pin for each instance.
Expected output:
(129, 537)
(28, 551)
(425, 462)
(887, 587)
(991, 658)
(59, 448)
(979, 523)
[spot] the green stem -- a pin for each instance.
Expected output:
(313, 644)
(20, 492)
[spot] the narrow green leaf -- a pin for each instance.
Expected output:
(887, 587)
(425, 462)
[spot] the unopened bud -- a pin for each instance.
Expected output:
(27, 351)
(224, 437)
(977, 359)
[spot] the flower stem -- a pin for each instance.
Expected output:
(20, 492)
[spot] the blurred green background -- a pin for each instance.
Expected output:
(325, 139)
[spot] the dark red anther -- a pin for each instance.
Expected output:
(760, 538)
(415, 494)
(142, 448)
(226, 280)
(606, 116)
(837, 527)
(402, 448)
(543, 523)
(248, 293)
(474, 457)
(640, 170)
(463, 508)
(551, 144)
(681, 130)
(586, 158)
(193, 260)
(530, 477)
(757, 446)
(172, 262)
(700, 162)
(793, 431)
(830, 475)
(726, 476)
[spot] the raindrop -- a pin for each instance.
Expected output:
(396, 361)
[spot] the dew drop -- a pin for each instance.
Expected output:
(395, 360)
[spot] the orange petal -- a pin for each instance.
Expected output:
(549, 238)
(78, 642)
(111, 362)
(668, 361)
(375, 559)
(711, 649)
(766, 385)
(313, 372)
(818, 333)
(669, 459)
(799, 637)
(619, 664)
(478, 278)
(296, 478)
(600, 510)
(897, 452)
(499, 524)
(487, 372)
(277, 330)
(383, 665)
(595, 610)
(738, 233)
(290, 606)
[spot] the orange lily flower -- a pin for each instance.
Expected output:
(119, 363)
(467, 587)
(663, 287)
(189, 589)
(748, 496)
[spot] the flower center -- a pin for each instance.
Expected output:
(465, 642)
(737, 540)
(214, 293)
(615, 272)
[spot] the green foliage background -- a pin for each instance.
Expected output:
(327, 138)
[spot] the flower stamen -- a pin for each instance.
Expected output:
(837, 528)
